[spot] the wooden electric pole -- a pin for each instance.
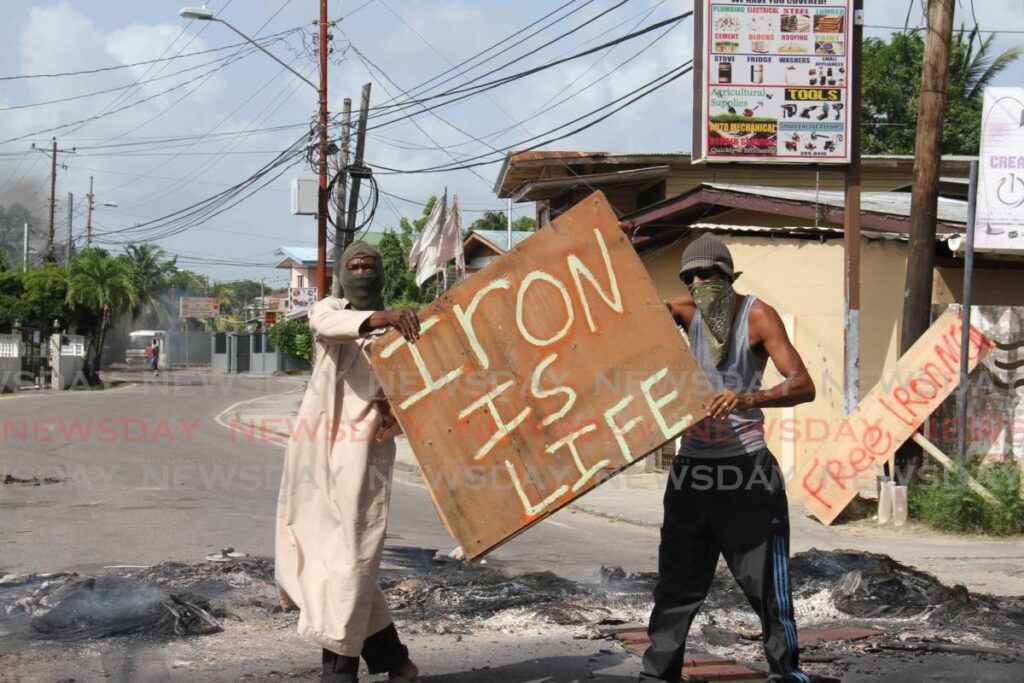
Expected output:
(927, 163)
(71, 213)
(353, 198)
(339, 195)
(321, 213)
(52, 152)
(88, 217)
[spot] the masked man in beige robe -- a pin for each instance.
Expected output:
(333, 505)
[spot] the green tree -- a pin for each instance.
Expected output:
(152, 269)
(892, 81)
(108, 286)
(292, 337)
(495, 220)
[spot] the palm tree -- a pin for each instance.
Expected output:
(228, 297)
(108, 286)
(152, 268)
(979, 67)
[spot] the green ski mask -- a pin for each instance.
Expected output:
(716, 300)
(364, 292)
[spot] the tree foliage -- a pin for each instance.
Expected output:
(401, 291)
(495, 220)
(107, 285)
(892, 81)
(292, 337)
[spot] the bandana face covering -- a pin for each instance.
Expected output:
(716, 301)
(364, 292)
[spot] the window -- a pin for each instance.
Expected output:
(220, 343)
(257, 343)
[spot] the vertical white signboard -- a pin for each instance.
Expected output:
(999, 225)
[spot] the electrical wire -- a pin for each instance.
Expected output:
(464, 92)
(248, 50)
(644, 90)
(149, 98)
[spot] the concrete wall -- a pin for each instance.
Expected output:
(11, 351)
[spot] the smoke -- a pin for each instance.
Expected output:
(23, 200)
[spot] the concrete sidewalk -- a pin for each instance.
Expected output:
(634, 497)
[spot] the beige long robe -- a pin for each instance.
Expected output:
(333, 505)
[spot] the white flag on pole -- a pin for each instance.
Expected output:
(423, 256)
(450, 247)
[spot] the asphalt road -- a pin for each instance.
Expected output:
(147, 473)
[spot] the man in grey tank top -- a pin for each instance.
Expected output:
(726, 495)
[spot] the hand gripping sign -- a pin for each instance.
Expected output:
(889, 415)
(539, 377)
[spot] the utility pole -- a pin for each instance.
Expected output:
(88, 217)
(71, 211)
(48, 252)
(321, 214)
(53, 195)
(24, 266)
(353, 198)
(851, 219)
(927, 161)
(340, 243)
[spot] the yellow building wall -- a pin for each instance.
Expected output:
(803, 280)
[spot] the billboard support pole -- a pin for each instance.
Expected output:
(965, 334)
(851, 219)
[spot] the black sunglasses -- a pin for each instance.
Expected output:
(705, 273)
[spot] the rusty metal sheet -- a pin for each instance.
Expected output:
(540, 376)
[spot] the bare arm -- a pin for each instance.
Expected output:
(797, 387)
(682, 309)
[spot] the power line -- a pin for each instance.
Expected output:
(119, 88)
(132, 65)
(149, 98)
(465, 93)
(648, 88)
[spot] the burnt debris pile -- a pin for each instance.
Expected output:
(433, 593)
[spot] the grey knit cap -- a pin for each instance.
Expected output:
(705, 252)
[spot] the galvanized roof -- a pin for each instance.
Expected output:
(890, 203)
(499, 238)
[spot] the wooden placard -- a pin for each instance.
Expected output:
(889, 415)
(539, 377)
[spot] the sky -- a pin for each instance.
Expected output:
(159, 138)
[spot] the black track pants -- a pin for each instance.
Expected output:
(735, 507)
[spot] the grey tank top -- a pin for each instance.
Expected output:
(743, 431)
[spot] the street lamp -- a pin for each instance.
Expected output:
(204, 14)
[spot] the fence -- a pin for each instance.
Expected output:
(11, 352)
(233, 352)
(995, 393)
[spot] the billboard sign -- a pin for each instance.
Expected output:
(199, 307)
(772, 82)
(301, 298)
(999, 222)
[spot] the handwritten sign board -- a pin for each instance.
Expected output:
(1000, 222)
(540, 376)
(773, 81)
(198, 307)
(889, 415)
